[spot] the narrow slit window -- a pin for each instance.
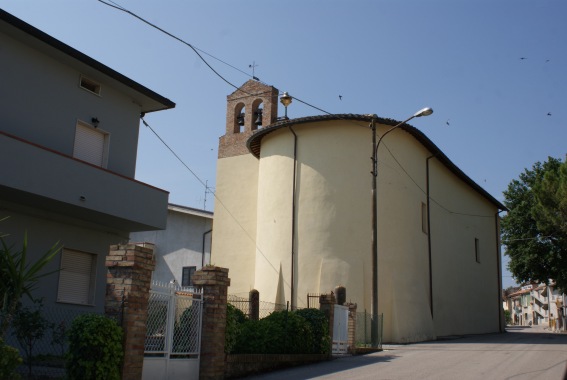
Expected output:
(477, 250)
(424, 226)
(90, 85)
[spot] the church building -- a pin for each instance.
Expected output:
(294, 216)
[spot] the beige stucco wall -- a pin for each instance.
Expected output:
(234, 226)
(333, 229)
(466, 293)
(333, 223)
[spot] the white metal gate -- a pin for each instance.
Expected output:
(340, 330)
(173, 337)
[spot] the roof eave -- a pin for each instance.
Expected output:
(254, 143)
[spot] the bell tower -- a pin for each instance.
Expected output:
(251, 107)
(254, 105)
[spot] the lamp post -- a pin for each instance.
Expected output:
(285, 99)
(375, 145)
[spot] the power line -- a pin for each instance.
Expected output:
(196, 50)
(214, 195)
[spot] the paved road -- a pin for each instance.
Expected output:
(521, 353)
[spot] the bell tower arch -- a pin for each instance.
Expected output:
(254, 105)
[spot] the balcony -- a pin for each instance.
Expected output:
(35, 177)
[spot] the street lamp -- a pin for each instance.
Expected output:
(286, 100)
(374, 325)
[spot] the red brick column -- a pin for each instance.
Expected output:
(351, 326)
(128, 280)
(214, 281)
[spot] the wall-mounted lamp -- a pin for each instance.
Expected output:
(95, 122)
(82, 198)
(286, 100)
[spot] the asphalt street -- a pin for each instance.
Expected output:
(520, 353)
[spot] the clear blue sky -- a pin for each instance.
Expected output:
(391, 58)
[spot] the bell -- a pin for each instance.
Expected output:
(240, 119)
(259, 118)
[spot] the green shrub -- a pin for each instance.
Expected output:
(281, 332)
(321, 342)
(9, 360)
(235, 318)
(289, 333)
(95, 348)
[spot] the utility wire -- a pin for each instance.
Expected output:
(214, 194)
(197, 50)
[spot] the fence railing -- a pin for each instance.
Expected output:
(363, 335)
(247, 306)
(40, 334)
(174, 321)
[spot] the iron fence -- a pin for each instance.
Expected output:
(40, 334)
(174, 321)
(246, 306)
(363, 336)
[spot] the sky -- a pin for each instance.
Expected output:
(493, 71)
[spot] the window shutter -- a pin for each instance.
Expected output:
(89, 145)
(76, 277)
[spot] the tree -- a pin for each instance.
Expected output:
(19, 277)
(535, 229)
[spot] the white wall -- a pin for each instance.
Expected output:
(179, 245)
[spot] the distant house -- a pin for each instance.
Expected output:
(296, 218)
(183, 247)
(520, 302)
(535, 304)
(68, 144)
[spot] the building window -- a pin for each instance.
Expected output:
(77, 277)
(477, 250)
(91, 144)
(187, 276)
(424, 226)
(89, 85)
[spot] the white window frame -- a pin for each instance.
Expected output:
(77, 277)
(82, 145)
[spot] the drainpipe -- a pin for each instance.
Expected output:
(203, 252)
(429, 233)
(293, 221)
(498, 269)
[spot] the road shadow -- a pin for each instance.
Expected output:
(334, 366)
(513, 335)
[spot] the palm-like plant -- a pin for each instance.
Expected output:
(18, 277)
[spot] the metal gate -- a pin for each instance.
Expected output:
(340, 330)
(173, 337)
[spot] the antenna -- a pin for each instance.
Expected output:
(208, 190)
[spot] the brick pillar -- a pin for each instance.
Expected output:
(327, 305)
(254, 302)
(214, 281)
(128, 280)
(351, 326)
